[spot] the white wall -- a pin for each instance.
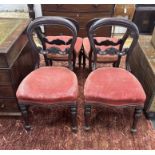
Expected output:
(37, 9)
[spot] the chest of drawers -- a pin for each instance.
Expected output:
(80, 12)
(142, 64)
(144, 18)
(16, 61)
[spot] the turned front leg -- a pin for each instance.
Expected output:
(24, 111)
(87, 115)
(73, 109)
(137, 115)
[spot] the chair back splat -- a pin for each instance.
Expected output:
(35, 26)
(131, 31)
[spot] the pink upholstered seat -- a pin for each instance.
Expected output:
(78, 44)
(113, 86)
(48, 85)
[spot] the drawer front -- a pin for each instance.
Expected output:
(5, 78)
(6, 60)
(3, 61)
(77, 8)
(9, 107)
(23, 65)
(82, 18)
(6, 91)
(82, 32)
(16, 49)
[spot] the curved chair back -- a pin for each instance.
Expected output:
(131, 31)
(74, 22)
(35, 26)
(90, 23)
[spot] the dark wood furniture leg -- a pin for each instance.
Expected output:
(50, 62)
(137, 115)
(90, 62)
(118, 62)
(80, 57)
(74, 60)
(46, 60)
(84, 61)
(31, 11)
(24, 111)
(73, 109)
(114, 64)
(87, 115)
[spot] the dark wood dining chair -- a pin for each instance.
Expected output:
(113, 86)
(50, 85)
(62, 42)
(102, 43)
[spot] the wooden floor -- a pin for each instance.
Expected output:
(51, 129)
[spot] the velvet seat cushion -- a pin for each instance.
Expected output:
(48, 85)
(106, 58)
(77, 48)
(113, 86)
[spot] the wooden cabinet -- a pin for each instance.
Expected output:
(77, 7)
(81, 12)
(16, 61)
(124, 10)
(144, 18)
(142, 62)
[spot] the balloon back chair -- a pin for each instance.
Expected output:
(61, 42)
(49, 85)
(113, 86)
(102, 44)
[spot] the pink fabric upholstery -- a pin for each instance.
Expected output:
(86, 43)
(78, 44)
(48, 85)
(106, 58)
(113, 86)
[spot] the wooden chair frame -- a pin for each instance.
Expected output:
(132, 30)
(33, 26)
